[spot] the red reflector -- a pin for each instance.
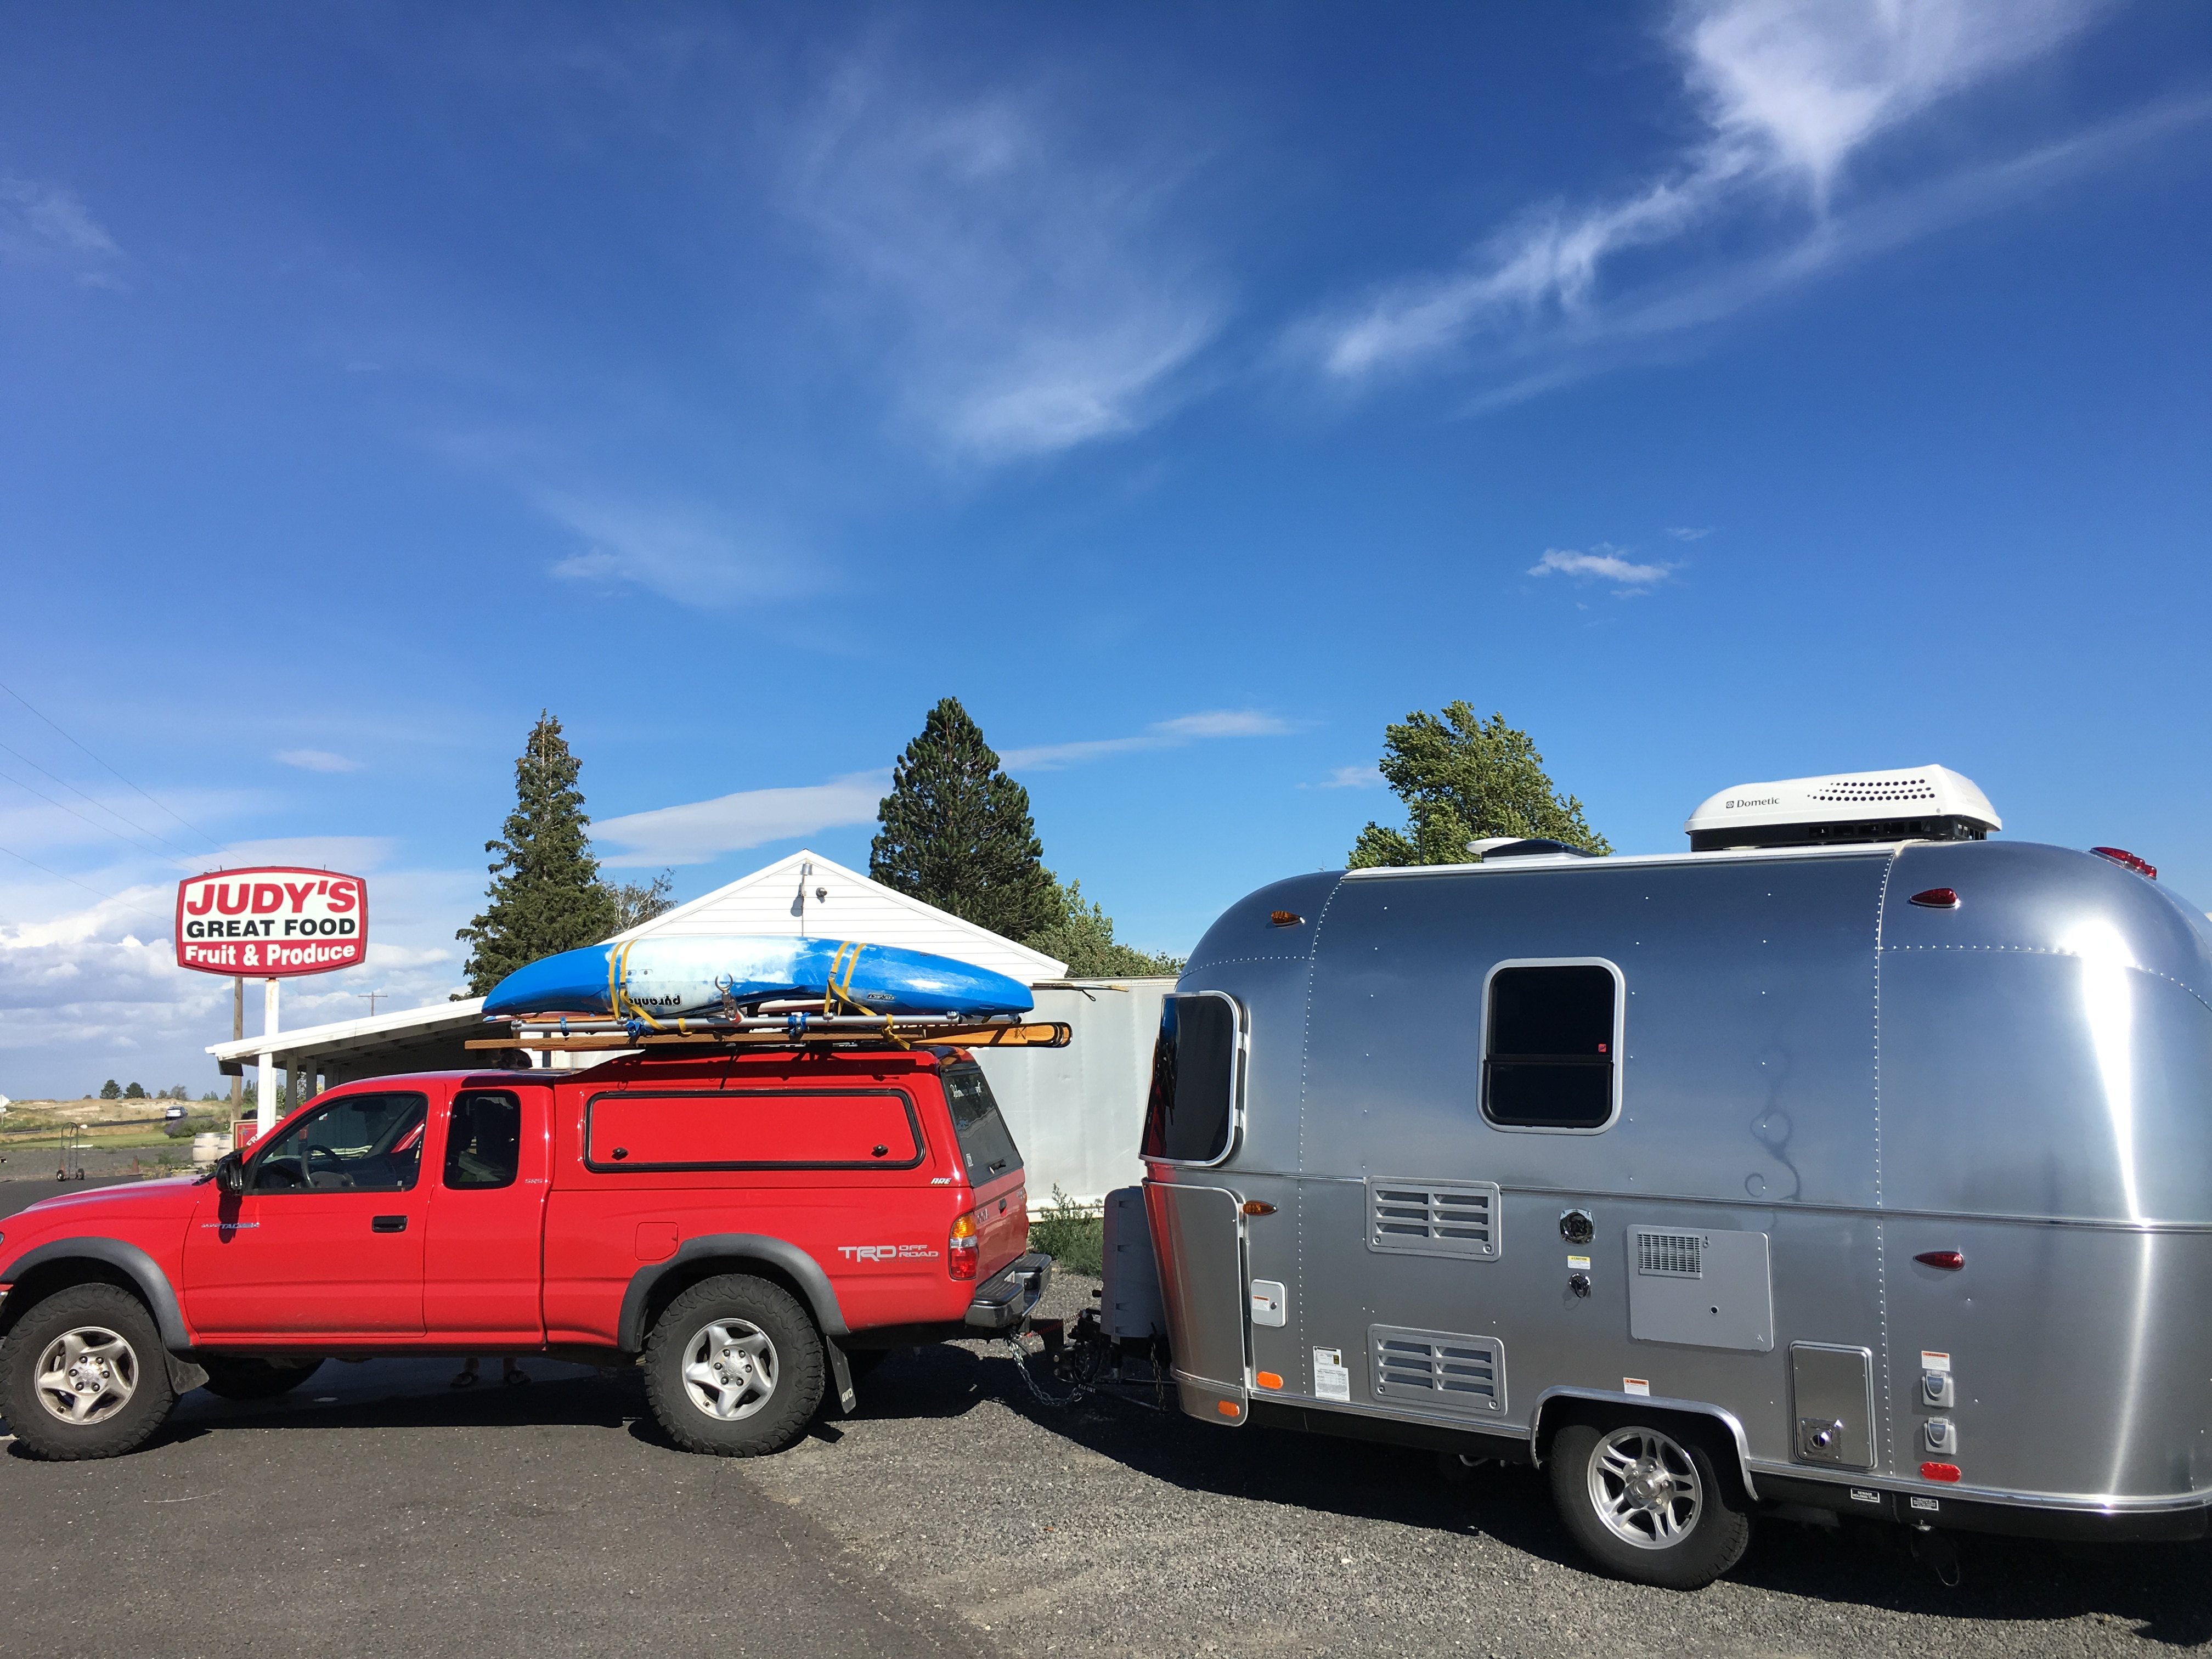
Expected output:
(1230, 1408)
(1936, 898)
(1939, 1471)
(1949, 1261)
(2121, 855)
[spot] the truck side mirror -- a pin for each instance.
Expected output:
(230, 1173)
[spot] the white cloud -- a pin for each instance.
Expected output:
(700, 830)
(1018, 271)
(1160, 734)
(1605, 563)
(1349, 777)
(688, 554)
(1790, 92)
(43, 220)
(1687, 533)
(317, 760)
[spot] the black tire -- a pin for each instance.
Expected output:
(117, 1380)
(1645, 1502)
(256, 1379)
(723, 1409)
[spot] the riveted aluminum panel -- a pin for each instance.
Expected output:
(1198, 1235)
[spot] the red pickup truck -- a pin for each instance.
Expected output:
(750, 1228)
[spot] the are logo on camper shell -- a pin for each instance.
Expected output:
(271, 922)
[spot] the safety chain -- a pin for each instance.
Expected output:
(1022, 1365)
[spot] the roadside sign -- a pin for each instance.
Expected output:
(271, 922)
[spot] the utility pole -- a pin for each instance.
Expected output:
(237, 1030)
(371, 997)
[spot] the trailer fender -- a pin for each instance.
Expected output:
(140, 1272)
(1552, 1409)
(737, 1251)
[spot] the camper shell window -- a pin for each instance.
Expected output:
(1551, 1047)
(1197, 1079)
(987, 1145)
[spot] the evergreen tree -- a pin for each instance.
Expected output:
(1465, 778)
(957, 833)
(545, 894)
(111, 1090)
(1083, 939)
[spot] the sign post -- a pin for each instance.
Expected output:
(270, 924)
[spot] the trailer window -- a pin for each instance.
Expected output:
(987, 1145)
(1549, 1051)
(1191, 1114)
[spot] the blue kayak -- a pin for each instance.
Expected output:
(666, 979)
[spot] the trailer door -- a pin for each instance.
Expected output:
(1198, 1233)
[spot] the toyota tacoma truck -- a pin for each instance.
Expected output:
(753, 1229)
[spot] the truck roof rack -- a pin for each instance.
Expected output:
(798, 1027)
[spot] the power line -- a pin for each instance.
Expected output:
(126, 782)
(74, 882)
(101, 804)
(79, 816)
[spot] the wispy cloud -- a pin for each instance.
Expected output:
(1602, 564)
(317, 760)
(700, 830)
(40, 220)
(1021, 271)
(1687, 533)
(1789, 91)
(689, 554)
(1160, 734)
(1349, 777)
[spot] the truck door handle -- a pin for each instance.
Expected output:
(388, 1224)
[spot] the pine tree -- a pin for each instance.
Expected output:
(1464, 779)
(545, 894)
(956, 832)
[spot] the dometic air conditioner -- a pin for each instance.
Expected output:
(1923, 803)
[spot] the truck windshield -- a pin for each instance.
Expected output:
(987, 1146)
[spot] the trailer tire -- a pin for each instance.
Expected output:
(1647, 1503)
(255, 1379)
(82, 1374)
(734, 1367)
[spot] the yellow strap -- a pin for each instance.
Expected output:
(619, 987)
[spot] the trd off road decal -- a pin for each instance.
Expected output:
(887, 1252)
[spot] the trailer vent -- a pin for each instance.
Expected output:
(1440, 1369)
(1670, 1255)
(1432, 1217)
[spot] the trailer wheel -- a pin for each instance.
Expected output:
(733, 1368)
(82, 1374)
(1647, 1504)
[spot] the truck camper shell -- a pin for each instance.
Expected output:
(1883, 1170)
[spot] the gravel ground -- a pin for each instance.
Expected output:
(376, 1511)
(1110, 1529)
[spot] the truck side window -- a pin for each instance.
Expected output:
(1548, 1058)
(483, 1139)
(356, 1144)
(1192, 1112)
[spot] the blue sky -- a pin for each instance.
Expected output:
(1722, 391)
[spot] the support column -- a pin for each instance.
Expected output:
(270, 1081)
(237, 1030)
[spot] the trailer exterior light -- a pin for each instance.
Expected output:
(2121, 855)
(1228, 1408)
(1936, 898)
(1285, 918)
(1268, 1379)
(965, 1246)
(1949, 1261)
(1939, 1472)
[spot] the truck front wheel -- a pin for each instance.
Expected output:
(733, 1368)
(84, 1375)
(1647, 1503)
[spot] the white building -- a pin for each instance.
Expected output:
(1075, 1112)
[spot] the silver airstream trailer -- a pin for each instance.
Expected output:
(1848, 1162)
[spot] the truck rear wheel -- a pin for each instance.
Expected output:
(733, 1368)
(84, 1375)
(1647, 1503)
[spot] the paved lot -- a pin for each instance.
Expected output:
(377, 1511)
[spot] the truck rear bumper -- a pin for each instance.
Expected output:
(1006, 1299)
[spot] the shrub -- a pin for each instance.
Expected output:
(179, 1128)
(1070, 1234)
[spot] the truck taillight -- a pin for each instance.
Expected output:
(965, 1248)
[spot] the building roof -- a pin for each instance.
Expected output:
(805, 894)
